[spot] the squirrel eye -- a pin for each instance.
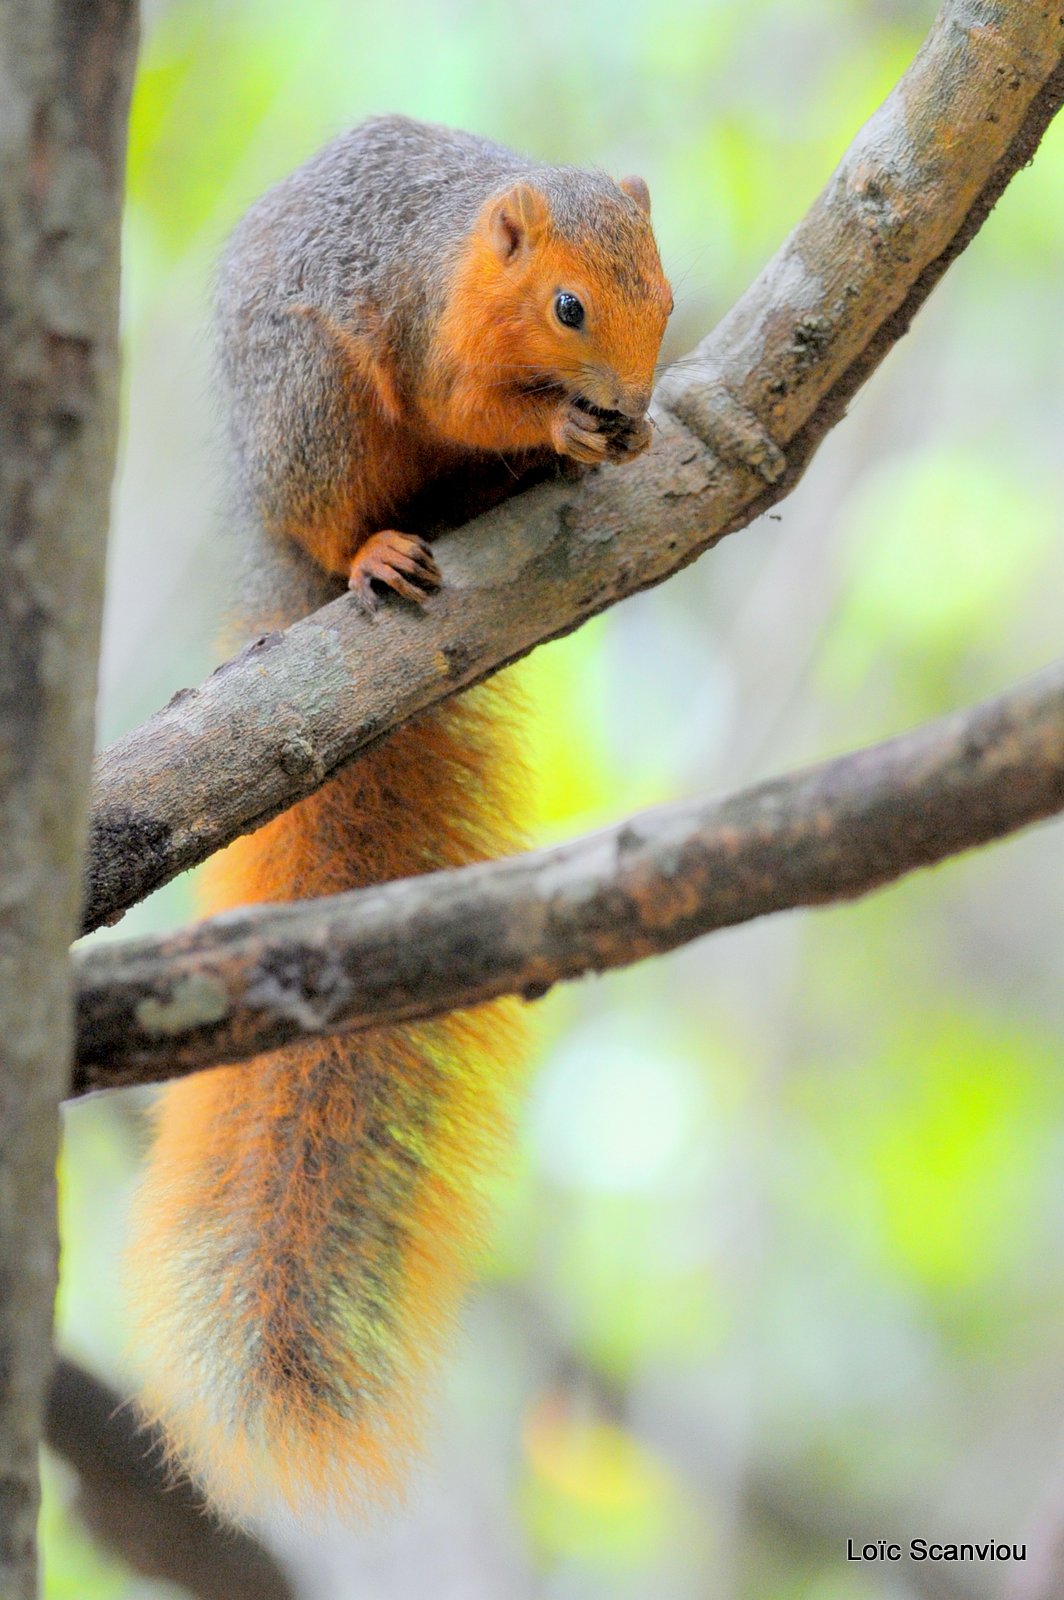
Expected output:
(568, 310)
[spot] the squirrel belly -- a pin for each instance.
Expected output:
(407, 324)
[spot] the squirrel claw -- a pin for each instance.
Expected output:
(400, 561)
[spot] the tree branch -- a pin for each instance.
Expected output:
(737, 424)
(137, 1510)
(65, 72)
(250, 980)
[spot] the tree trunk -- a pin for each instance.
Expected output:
(65, 72)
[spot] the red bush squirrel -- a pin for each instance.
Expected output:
(406, 310)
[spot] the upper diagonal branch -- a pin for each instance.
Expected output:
(252, 979)
(736, 426)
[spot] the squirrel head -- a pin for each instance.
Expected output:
(560, 291)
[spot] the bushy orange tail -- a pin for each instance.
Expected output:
(307, 1221)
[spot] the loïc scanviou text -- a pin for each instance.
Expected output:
(932, 1550)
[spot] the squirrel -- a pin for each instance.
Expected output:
(410, 323)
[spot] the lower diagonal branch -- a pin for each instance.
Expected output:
(250, 980)
(136, 1510)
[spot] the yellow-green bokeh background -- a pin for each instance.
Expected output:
(780, 1258)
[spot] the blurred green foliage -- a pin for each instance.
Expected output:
(73, 1568)
(778, 1254)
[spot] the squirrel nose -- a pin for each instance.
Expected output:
(633, 402)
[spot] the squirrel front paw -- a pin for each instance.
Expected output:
(588, 434)
(630, 437)
(400, 561)
(579, 434)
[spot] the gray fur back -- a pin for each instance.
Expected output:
(367, 221)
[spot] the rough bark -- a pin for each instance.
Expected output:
(65, 71)
(737, 423)
(253, 979)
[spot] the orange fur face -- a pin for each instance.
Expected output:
(540, 317)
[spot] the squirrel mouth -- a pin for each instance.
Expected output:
(611, 422)
(592, 410)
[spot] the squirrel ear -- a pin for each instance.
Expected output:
(636, 189)
(516, 220)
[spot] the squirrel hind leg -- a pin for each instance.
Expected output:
(403, 562)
